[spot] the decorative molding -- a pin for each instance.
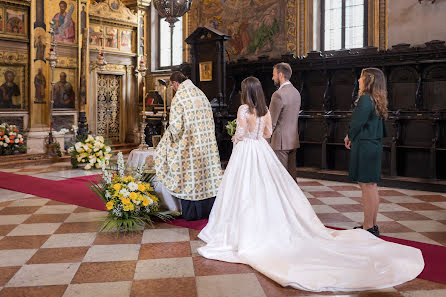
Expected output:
(17, 2)
(13, 58)
(291, 25)
(122, 15)
(114, 67)
(382, 24)
(130, 69)
(66, 62)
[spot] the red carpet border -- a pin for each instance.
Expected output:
(75, 191)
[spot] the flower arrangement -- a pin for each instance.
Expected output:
(11, 140)
(129, 199)
(91, 151)
(231, 126)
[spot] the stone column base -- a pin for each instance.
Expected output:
(36, 141)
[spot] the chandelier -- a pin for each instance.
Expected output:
(172, 9)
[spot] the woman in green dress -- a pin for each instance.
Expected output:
(364, 138)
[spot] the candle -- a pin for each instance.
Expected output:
(165, 113)
(144, 99)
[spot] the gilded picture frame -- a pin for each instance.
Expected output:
(205, 70)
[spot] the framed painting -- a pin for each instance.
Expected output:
(12, 87)
(15, 21)
(95, 35)
(64, 95)
(205, 71)
(64, 14)
(1, 19)
(126, 41)
(111, 37)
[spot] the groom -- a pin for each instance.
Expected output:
(284, 109)
(187, 161)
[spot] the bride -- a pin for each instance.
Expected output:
(262, 218)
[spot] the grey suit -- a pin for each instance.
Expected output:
(284, 109)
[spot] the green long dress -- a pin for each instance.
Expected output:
(366, 132)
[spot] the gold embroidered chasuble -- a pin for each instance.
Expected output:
(187, 161)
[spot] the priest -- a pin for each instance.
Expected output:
(187, 161)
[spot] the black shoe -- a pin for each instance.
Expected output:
(358, 227)
(374, 230)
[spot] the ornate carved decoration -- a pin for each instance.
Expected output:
(13, 58)
(382, 24)
(109, 106)
(103, 11)
(113, 67)
(291, 23)
(17, 2)
(67, 62)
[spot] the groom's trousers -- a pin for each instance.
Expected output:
(288, 160)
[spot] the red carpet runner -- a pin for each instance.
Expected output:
(75, 191)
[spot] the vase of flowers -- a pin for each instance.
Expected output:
(11, 140)
(130, 199)
(91, 152)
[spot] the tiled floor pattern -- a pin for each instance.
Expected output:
(52, 249)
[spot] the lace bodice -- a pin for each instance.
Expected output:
(243, 129)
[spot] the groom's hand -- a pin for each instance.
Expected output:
(347, 142)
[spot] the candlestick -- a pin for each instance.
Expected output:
(164, 103)
(144, 100)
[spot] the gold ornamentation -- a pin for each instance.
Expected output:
(121, 14)
(67, 62)
(109, 106)
(13, 58)
(291, 24)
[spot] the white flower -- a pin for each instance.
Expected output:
(1, 143)
(107, 149)
(107, 194)
(92, 159)
(125, 193)
(63, 131)
(97, 165)
(5, 144)
(132, 186)
(100, 138)
(79, 147)
(88, 166)
(16, 140)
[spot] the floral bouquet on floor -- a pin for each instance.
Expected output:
(11, 141)
(90, 151)
(231, 126)
(129, 198)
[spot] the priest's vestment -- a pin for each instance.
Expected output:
(187, 161)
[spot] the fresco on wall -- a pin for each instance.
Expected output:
(64, 14)
(111, 37)
(64, 96)
(257, 27)
(95, 35)
(11, 87)
(126, 40)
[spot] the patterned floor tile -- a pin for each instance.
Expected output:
(70, 240)
(44, 275)
(401, 199)
(18, 210)
(167, 287)
(78, 227)
(414, 236)
(114, 252)
(29, 202)
(110, 272)
(23, 242)
(56, 209)
(432, 198)
(436, 236)
(15, 257)
(165, 250)
(424, 226)
(405, 216)
(338, 200)
(164, 268)
(437, 215)
(205, 266)
(328, 218)
(116, 289)
(5, 229)
(115, 238)
(46, 218)
(6, 273)
(47, 291)
(422, 293)
(86, 217)
(165, 235)
(58, 255)
(232, 285)
(440, 204)
(324, 209)
(194, 245)
(34, 229)
(325, 194)
(420, 206)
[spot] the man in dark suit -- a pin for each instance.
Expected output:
(284, 109)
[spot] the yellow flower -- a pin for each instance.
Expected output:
(145, 202)
(125, 201)
(117, 187)
(126, 208)
(141, 187)
(133, 195)
(131, 207)
(109, 205)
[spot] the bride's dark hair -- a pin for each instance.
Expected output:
(252, 95)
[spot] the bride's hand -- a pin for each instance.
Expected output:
(347, 142)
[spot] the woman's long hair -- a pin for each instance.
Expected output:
(252, 95)
(375, 86)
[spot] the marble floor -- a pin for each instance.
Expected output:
(49, 248)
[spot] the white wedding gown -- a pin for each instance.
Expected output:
(263, 219)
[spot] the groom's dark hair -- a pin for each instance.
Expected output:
(252, 95)
(285, 69)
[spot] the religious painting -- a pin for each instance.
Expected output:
(95, 35)
(15, 21)
(111, 37)
(126, 40)
(257, 27)
(64, 95)
(205, 71)
(1, 19)
(114, 4)
(12, 85)
(40, 46)
(64, 14)
(40, 86)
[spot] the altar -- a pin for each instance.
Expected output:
(139, 157)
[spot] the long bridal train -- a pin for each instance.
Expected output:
(263, 219)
